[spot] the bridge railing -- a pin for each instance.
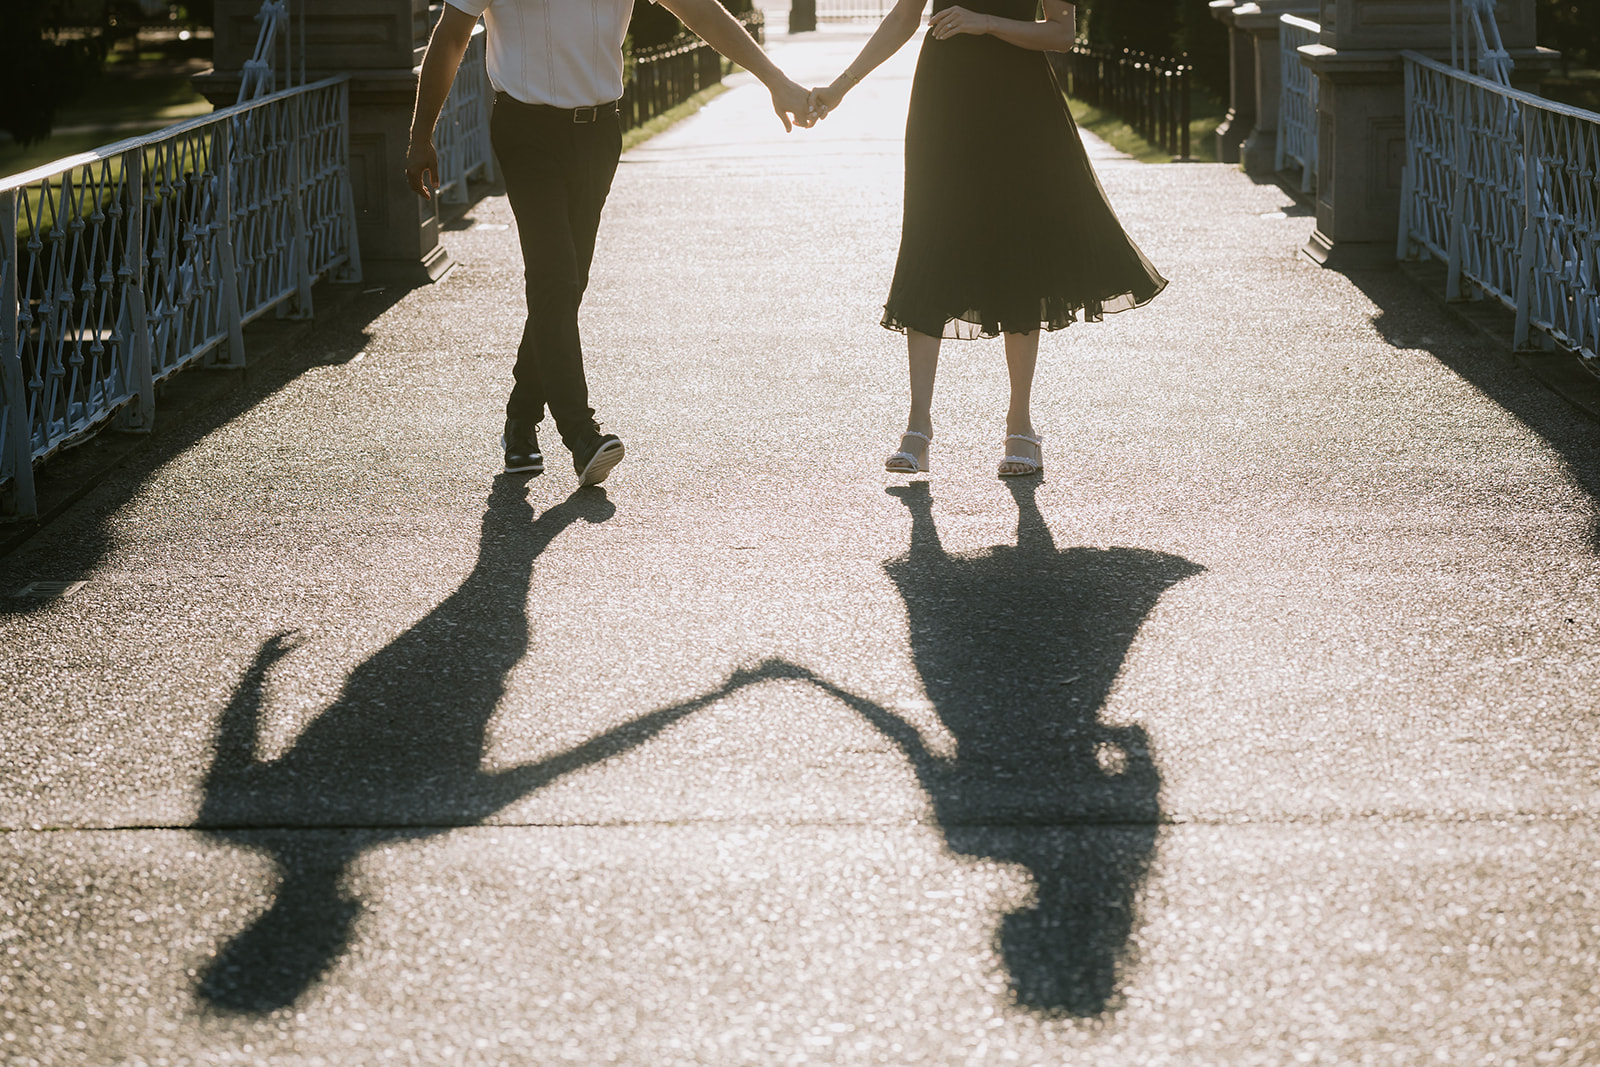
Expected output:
(1297, 101)
(122, 265)
(1501, 184)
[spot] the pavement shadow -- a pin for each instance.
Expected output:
(1410, 317)
(1018, 647)
(398, 755)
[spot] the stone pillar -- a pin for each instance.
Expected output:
(802, 16)
(379, 43)
(1361, 126)
(1259, 20)
(1241, 85)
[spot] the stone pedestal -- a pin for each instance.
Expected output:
(1241, 86)
(1258, 21)
(1361, 112)
(379, 43)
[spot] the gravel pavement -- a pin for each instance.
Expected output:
(1260, 729)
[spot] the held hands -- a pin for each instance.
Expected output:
(793, 105)
(953, 20)
(827, 98)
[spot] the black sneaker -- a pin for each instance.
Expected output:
(521, 442)
(595, 456)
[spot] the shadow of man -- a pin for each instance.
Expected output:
(396, 756)
(1018, 648)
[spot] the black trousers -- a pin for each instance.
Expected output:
(557, 174)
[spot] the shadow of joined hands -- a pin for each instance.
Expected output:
(1017, 648)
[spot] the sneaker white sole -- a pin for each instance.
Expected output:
(601, 463)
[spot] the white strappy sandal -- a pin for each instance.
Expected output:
(907, 462)
(1030, 465)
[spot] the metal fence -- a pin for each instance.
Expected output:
(659, 79)
(1297, 101)
(1505, 187)
(122, 265)
(1149, 93)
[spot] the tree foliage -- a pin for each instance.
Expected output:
(44, 63)
(1572, 27)
(654, 25)
(1162, 27)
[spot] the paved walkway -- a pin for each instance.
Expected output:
(1261, 729)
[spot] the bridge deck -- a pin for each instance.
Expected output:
(1260, 728)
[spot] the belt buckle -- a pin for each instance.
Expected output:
(585, 115)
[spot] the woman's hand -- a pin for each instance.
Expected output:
(953, 20)
(826, 99)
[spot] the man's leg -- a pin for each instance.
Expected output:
(529, 151)
(557, 176)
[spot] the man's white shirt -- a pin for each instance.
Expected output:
(564, 53)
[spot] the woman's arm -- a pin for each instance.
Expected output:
(722, 31)
(892, 33)
(1055, 33)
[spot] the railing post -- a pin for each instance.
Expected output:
(300, 251)
(231, 311)
(1528, 250)
(352, 271)
(1458, 193)
(1184, 115)
(20, 503)
(142, 416)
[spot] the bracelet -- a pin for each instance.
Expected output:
(845, 75)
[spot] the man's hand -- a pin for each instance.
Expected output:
(422, 168)
(790, 98)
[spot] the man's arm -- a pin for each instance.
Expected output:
(439, 64)
(722, 31)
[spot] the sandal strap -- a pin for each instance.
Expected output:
(916, 433)
(1021, 437)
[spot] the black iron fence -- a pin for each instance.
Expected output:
(1149, 93)
(659, 79)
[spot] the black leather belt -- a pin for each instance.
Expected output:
(580, 115)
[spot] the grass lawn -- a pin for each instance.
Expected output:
(671, 117)
(1581, 88)
(1206, 113)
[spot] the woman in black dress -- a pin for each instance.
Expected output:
(1006, 229)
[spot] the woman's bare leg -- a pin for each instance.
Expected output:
(922, 360)
(1022, 356)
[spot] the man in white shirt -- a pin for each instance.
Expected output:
(556, 67)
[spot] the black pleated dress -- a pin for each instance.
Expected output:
(1006, 228)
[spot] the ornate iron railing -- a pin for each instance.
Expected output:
(1149, 93)
(122, 265)
(462, 135)
(1505, 187)
(1297, 101)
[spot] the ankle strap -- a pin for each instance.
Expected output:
(917, 433)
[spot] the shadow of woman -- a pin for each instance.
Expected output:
(396, 756)
(1018, 648)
